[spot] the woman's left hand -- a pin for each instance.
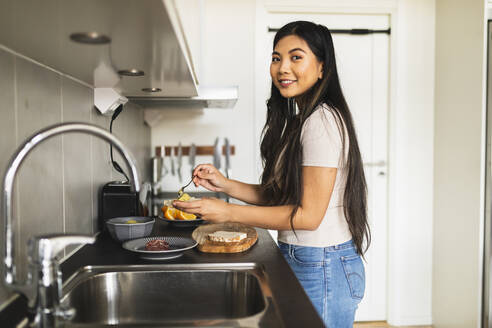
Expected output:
(210, 209)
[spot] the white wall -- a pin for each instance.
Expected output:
(458, 159)
(411, 165)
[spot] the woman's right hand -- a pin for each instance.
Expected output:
(209, 177)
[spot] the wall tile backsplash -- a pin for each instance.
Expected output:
(58, 184)
(77, 107)
(39, 181)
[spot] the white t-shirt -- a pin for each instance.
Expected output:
(322, 146)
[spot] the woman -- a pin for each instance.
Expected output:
(313, 189)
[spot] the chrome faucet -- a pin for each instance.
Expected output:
(43, 284)
(44, 307)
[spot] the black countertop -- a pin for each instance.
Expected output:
(292, 302)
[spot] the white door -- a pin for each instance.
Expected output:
(363, 67)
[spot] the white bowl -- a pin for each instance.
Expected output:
(122, 231)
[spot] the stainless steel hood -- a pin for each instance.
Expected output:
(208, 97)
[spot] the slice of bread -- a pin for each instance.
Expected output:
(227, 236)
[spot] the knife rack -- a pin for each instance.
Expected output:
(200, 150)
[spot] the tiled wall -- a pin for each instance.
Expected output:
(57, 186)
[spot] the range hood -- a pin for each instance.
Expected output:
(208, 97)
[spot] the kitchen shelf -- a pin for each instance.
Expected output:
(200, 150)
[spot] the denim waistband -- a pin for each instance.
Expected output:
(345, 245)
(334, 248)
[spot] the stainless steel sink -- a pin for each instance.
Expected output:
(226, 295)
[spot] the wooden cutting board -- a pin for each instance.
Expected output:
(200, 234)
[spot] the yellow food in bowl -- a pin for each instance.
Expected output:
(131, 221)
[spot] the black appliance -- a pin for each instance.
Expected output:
(117, 200)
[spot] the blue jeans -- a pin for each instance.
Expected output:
(333, 278)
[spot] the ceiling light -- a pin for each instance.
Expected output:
(131, 72)
(90, 38)
(151, 89)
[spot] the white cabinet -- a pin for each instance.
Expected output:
(186, 18)
(190, 15)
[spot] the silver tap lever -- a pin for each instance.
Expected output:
(45, 247)
(47, 277)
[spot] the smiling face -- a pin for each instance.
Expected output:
(294, 68)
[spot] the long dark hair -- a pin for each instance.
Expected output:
(281, 148)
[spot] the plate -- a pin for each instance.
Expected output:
(177, 245)
(201, 233)
(182, 223)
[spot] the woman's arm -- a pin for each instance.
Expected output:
(318, 184)
(248, 193)
(209, 177)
